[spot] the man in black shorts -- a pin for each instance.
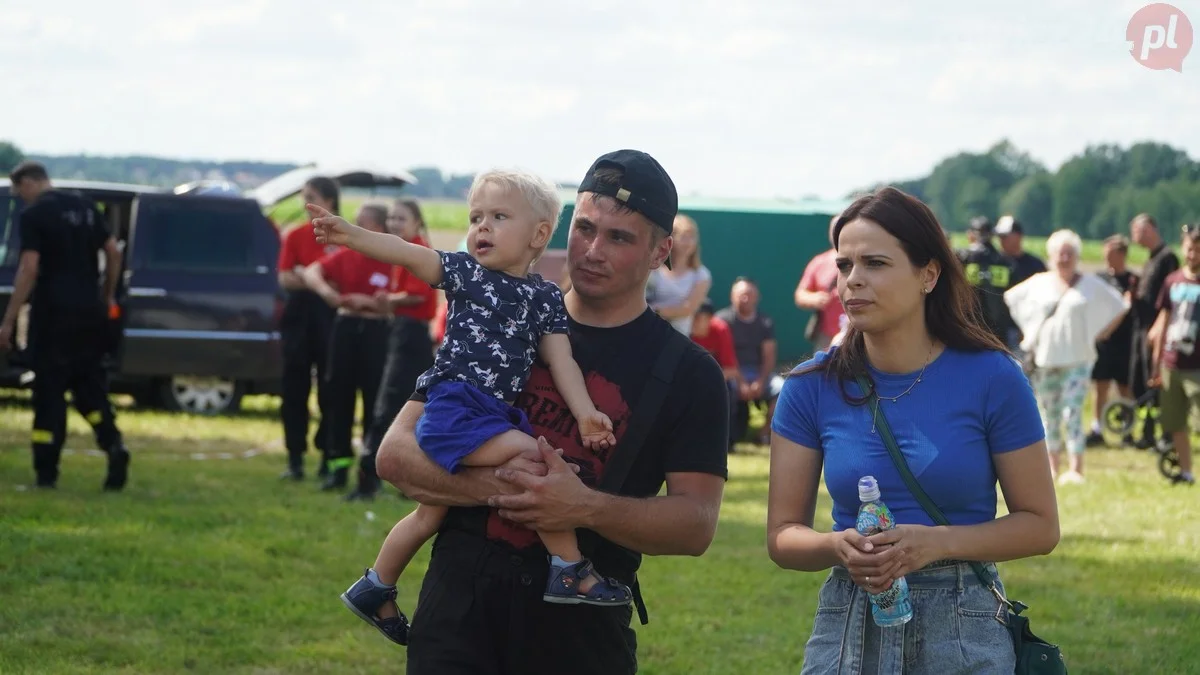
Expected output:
(69, 332)
(1114, 358)
(480, 609)
(1143, 230)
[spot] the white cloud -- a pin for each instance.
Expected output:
(759, 98)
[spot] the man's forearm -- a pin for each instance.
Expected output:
(22, 287)
(670, 525)
(112, 275)
(290, 280)
(401, 462)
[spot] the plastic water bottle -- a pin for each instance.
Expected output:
(892, 607)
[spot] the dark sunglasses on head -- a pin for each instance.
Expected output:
(1191, 228)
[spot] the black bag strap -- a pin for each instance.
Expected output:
(616, 469)
(649, 402)
(885, 432)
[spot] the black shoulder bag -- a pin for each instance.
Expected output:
(1035, 656)
(648, 405)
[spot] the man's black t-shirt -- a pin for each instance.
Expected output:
(689, 433)
(1122, 282)
(68, 232)
(1162, 262)
(1024, 266)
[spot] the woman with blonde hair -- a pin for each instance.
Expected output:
(677, 291)
(1063, 313)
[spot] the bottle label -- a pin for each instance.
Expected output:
(874, 517)
(886, 599)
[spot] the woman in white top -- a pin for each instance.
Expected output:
(678, 292)
(1062, 313)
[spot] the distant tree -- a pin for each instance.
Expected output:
(10, 156)
(1031, 201)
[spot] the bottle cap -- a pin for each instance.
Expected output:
(868, 489)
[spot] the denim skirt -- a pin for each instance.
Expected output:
(954, 628)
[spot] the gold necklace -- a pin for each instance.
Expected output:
(893, 399)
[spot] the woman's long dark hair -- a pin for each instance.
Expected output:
(952, 313)
(327, 188)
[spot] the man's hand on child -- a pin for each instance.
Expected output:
(328, 228)
(596, 430)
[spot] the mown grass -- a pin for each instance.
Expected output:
(207, 563)
(442, 215)
(1093, 250)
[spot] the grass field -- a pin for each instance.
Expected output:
(207, 563)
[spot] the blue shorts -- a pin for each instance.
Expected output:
(459, 418)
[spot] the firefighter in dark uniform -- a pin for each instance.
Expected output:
(349, 281)
(989, 272)
(304, 328)
(69, 326)
(410, 346)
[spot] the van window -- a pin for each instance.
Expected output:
(196, 235)
(8, 232)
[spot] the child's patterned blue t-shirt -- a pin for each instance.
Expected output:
(494, 324)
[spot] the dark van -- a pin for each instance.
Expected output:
(199, 295)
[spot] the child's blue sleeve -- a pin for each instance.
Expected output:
(1011, 416)
(552, 310)
(458, 269)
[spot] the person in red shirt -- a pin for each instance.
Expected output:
(304, 328)
(350, 281)
(714, 334)
(817, 292)
(413, 304)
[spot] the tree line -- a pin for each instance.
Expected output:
(1096, 192)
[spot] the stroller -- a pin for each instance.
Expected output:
(1122, 415)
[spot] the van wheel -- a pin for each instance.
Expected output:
(202, 395)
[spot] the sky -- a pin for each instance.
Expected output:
(741, 98)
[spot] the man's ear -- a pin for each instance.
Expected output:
(662, 250)
(541, 236)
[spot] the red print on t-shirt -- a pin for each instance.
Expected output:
(550, 417)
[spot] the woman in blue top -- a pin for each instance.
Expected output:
(963, 415)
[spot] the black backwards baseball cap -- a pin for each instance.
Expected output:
(644, 186)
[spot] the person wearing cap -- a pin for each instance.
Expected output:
(988, 271)
(481, 608)
(1024, 264)
(1021, 265)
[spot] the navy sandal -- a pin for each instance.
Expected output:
(562, 587)
(364, 598)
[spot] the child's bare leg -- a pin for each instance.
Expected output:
(401, 544)
(565, 547)
(499, 449)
